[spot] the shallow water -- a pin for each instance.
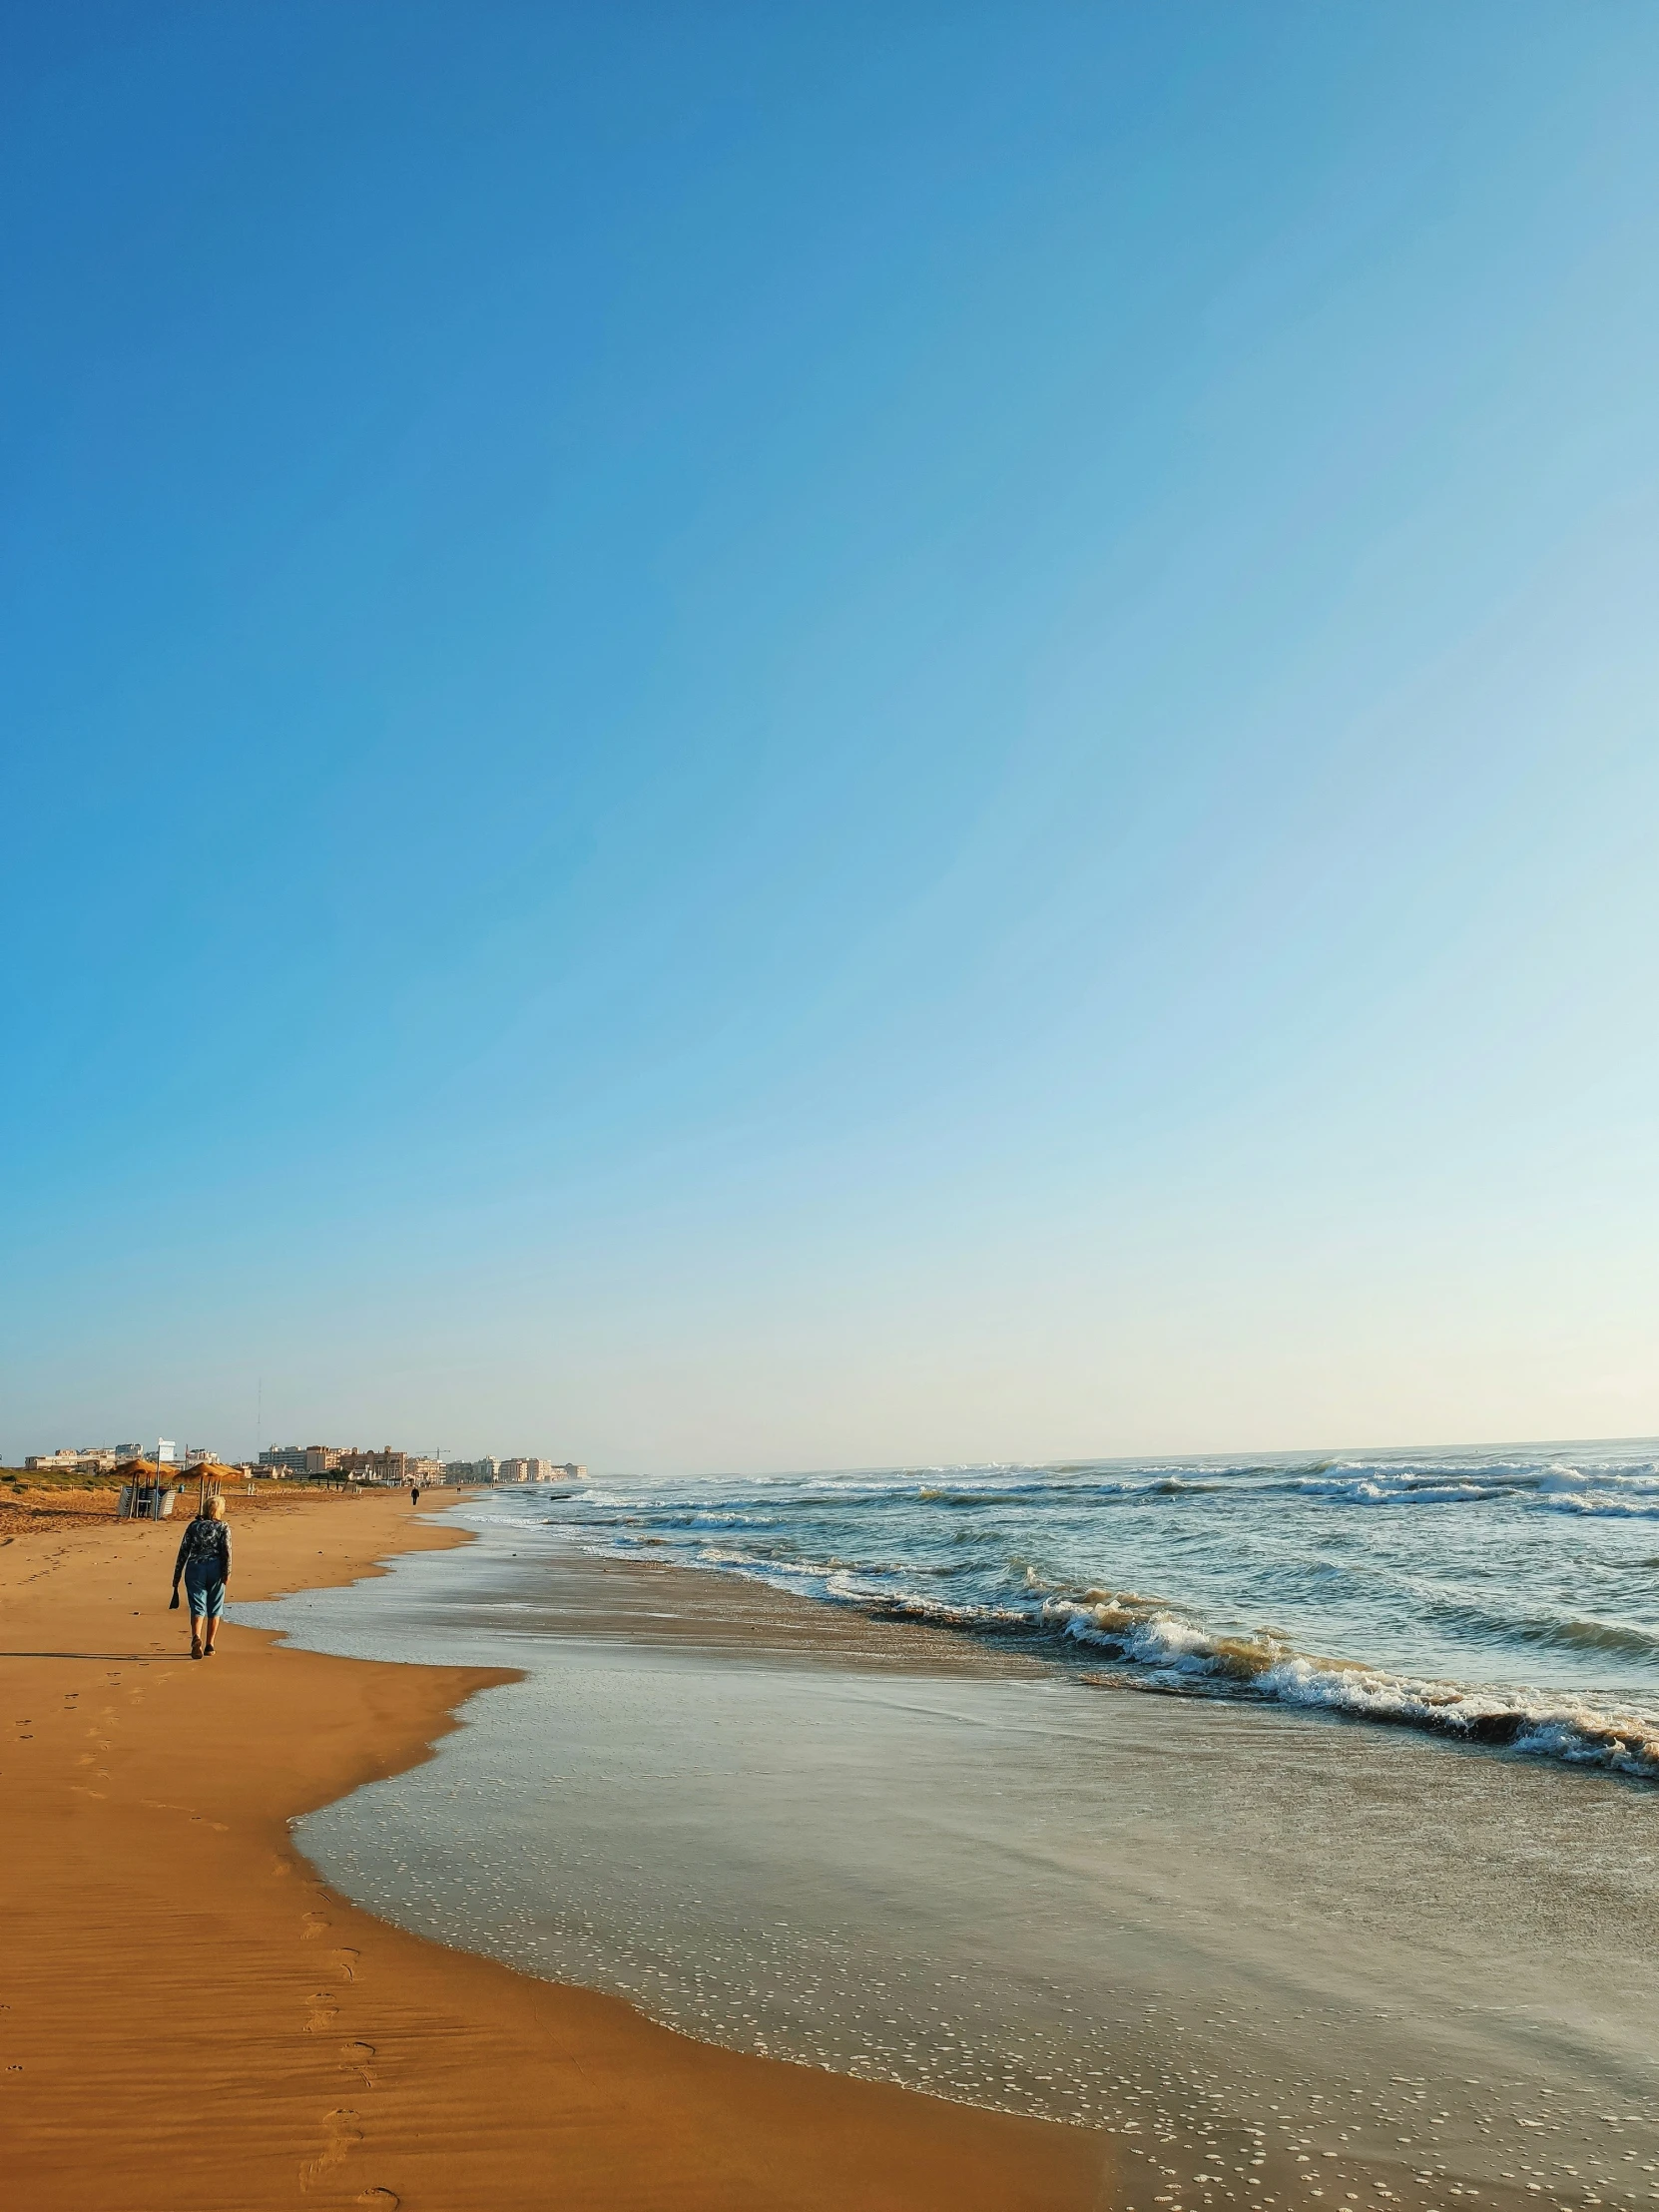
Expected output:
(1344, 1963)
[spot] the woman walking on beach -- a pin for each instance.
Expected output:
(205, 1562)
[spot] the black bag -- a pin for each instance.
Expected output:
(172, 1603)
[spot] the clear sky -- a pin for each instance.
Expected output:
(752, 735)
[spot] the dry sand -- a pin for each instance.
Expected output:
(191, 2019)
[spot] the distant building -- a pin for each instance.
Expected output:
(342, 1459)
(384, 1465)
(572, 1472)
(314, 1460)
(98, 1459)
(389, 1466)
(537, 1471)
(485, 1469)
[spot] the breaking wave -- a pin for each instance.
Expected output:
(1533, 1723)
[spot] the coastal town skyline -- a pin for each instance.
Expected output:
(384, 1463)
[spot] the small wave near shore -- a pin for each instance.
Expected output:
(1533, 1723)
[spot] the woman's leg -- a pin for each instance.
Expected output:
(197, 1601)
(213, 1598)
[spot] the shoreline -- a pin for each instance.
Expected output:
(1271, 1947)
(194, 2018)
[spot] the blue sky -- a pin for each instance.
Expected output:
(765, 736)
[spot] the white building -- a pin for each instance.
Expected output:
(98, 1458)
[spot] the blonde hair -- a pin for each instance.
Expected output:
(215, 1508)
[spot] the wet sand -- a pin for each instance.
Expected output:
(192, 2019)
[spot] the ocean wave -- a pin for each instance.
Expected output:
(724, 1520)
(1073, 1495)
(977, 1618)
(1371, 1490)
(1555, 1484)
(1544, 1631)
(1597, 1506)
(1530, 1723)
(1021, 1495)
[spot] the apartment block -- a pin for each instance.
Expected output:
(91, 1458)
(384, 1465)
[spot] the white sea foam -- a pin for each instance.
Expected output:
(1534, 1723)
(1371, 1490)
(1598, 1502)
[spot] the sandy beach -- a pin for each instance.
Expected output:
(192, 2019)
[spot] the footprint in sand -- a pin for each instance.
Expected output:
(344, 1962)
(387, 2199)
(341, 2135)
(357, 2056)
(312, 1926)
(322, 2011)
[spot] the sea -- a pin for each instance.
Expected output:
(1290, 1817)
(1507, 1596)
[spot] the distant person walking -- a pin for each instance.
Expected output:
(205, 1562)
(414, 1494)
